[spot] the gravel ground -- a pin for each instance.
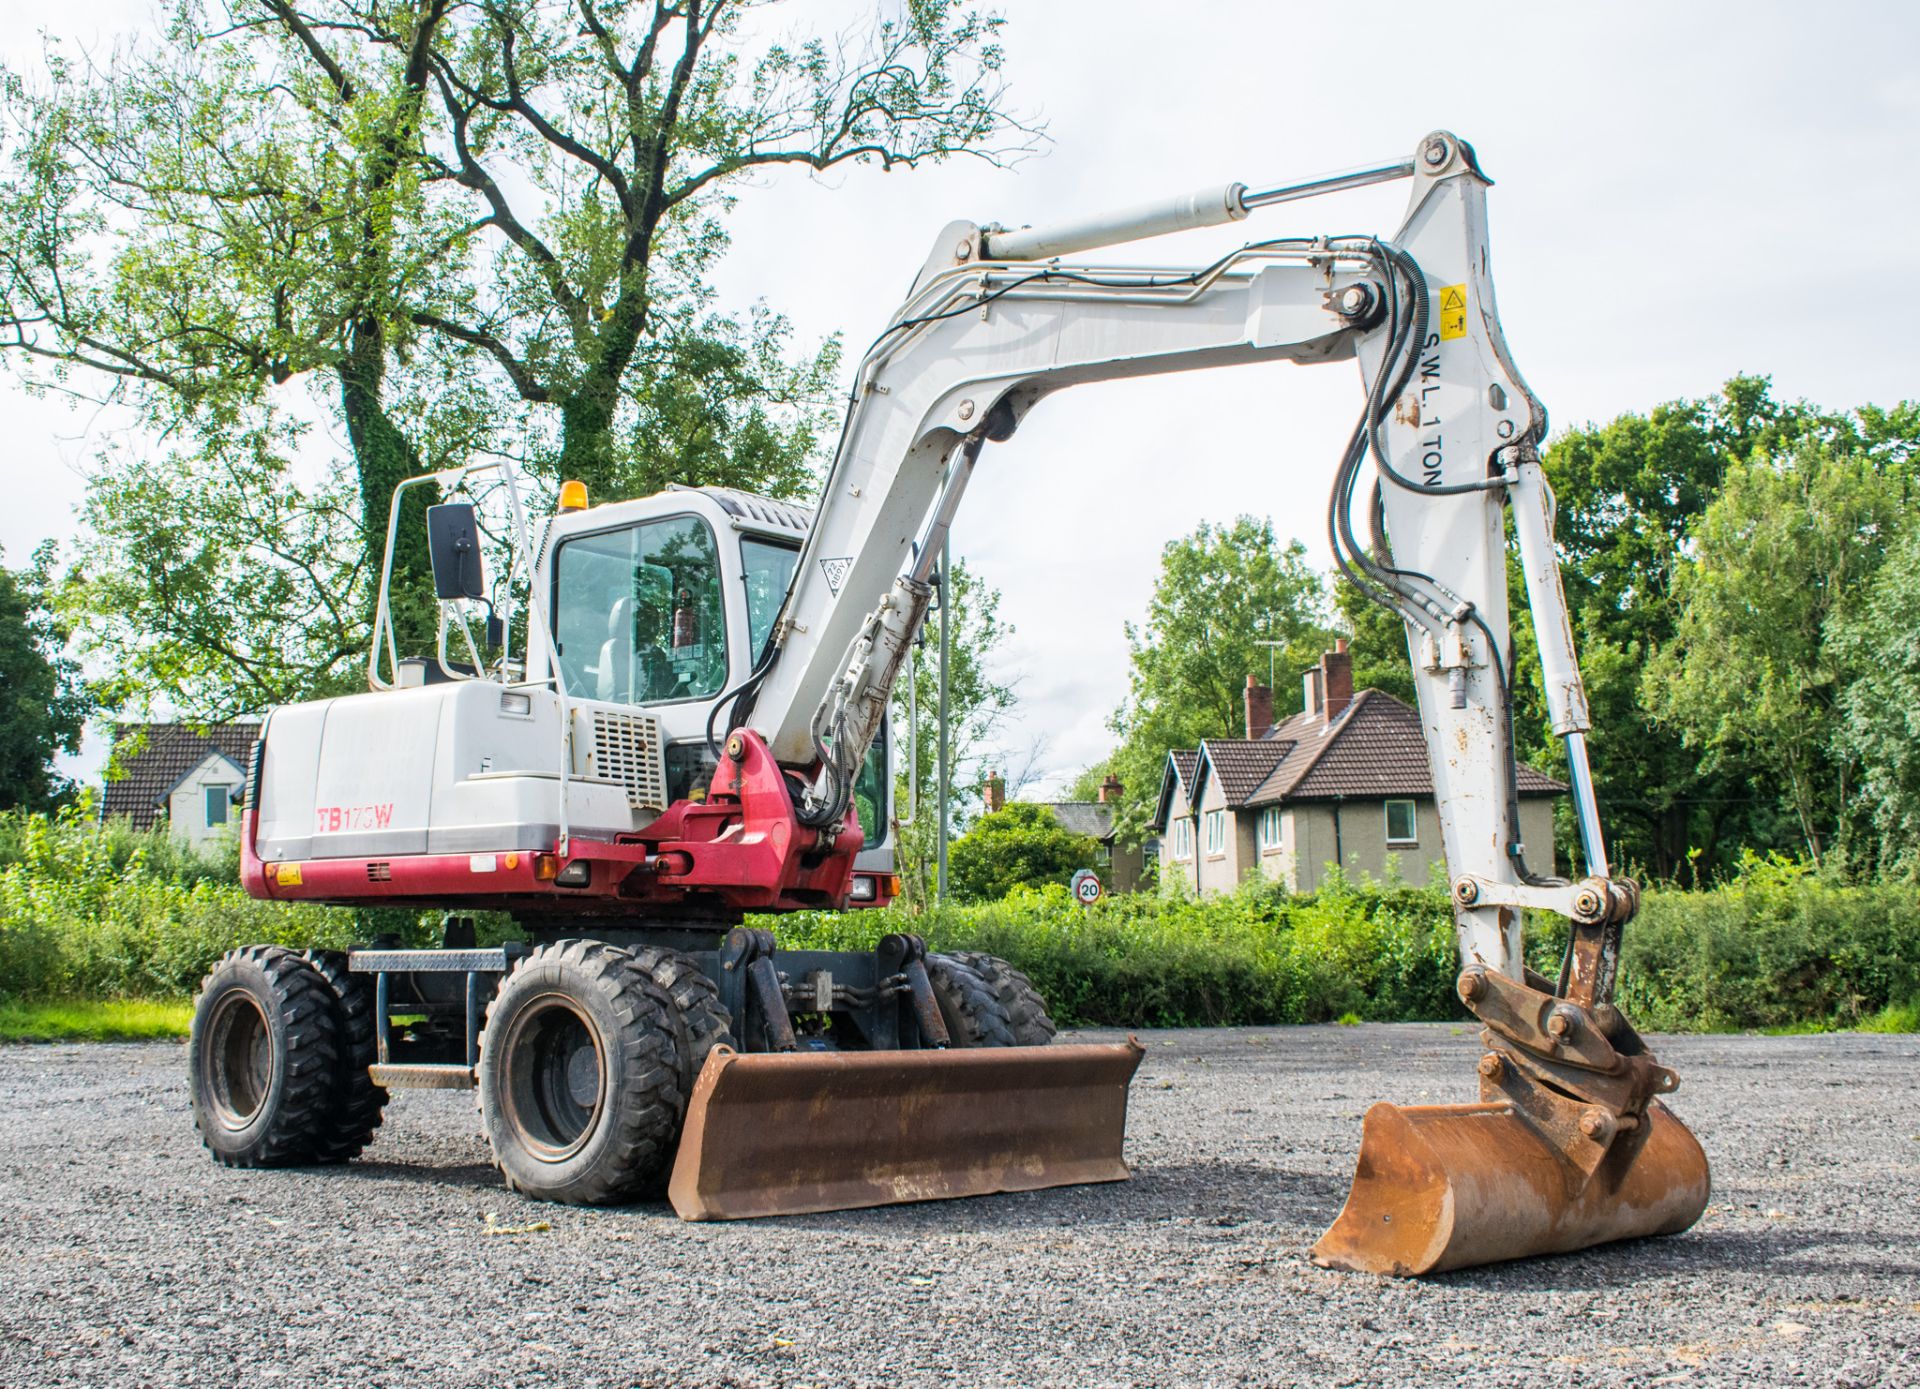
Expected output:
(130, 1258)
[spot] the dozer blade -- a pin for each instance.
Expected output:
(789, 1133)
(1451, 1186)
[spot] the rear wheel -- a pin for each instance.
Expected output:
(972, 1011)
(580, 1075)
(261, 1057)
(1026, 1009)
(696, 1000)
(357, 1102)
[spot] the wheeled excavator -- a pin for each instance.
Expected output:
(688, 726)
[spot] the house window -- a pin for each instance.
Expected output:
(1270, 829)
(1216, 832)
(1183, 839)
(1403, 827)
(218, 799)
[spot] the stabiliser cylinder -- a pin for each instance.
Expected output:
(1440, 1187)
(799, 1132)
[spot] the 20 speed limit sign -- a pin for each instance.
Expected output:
(1086, 887)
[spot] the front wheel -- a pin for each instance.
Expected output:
(261, 1059)
(580, 1075)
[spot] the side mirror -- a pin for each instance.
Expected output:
(453, 545)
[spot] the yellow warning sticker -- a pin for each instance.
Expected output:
(288, 874)
(1453, 312)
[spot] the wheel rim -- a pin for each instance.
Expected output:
(556, 1077)
(240, 1058)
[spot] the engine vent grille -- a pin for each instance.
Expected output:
(626, 749)
(379, 872)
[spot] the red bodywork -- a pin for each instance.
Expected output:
(740, 849)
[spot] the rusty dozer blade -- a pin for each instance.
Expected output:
(794, 1132)
(1451, 1186)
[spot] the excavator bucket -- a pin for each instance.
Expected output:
(1451, 1186)
(793, 1132)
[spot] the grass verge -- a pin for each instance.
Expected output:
(94, 1020)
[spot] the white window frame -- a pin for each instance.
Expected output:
(1271, 829)
(1216, 833)
(207, 801)
(1182, 839)
(1413, 815)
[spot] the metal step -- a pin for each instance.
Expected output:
(398, 1077)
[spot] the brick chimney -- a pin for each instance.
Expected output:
(1336, 679)
(1110, 790)
(1312, 683)
(995, 793)
(1259, 709)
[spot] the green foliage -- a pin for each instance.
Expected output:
(1020, 846)
(1222, 591)
(43, 704)
(1777, 946)
(122, 915)
(1879, 726)
(1143, 960)
(1788, 546)
(463, 231)
(1628, 493)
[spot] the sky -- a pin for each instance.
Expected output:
(1682, 192)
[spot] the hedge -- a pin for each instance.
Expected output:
(87, 913)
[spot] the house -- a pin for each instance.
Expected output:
(1119, 867)
(1344, 781)
(188, 778)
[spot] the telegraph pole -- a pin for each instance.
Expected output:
(946, 651)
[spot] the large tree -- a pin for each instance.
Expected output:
(1628, 492)
(1878, 642)
(1786, 553)
(1223, 592)
(43, 704)
(476, 228)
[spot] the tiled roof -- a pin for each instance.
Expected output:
(1091, 818)
(1375, 748)
(1181, 765)
(171, 752)
(1241, 765)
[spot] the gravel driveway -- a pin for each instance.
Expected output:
(127, 1257)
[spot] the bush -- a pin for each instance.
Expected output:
(1253, 956)
(87, 912)
(1019, 846)
(92, 913)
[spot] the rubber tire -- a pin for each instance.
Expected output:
(295, 1009)
(696, 998)
(358, 1103)
(1026, 1009)
(626, 1147)
(972, 1011)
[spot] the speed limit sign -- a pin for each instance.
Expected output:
(1086, 887)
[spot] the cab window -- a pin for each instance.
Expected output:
(871, 788)
(766, 570)
(639, 616)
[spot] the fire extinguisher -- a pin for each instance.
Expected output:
(683, 633)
